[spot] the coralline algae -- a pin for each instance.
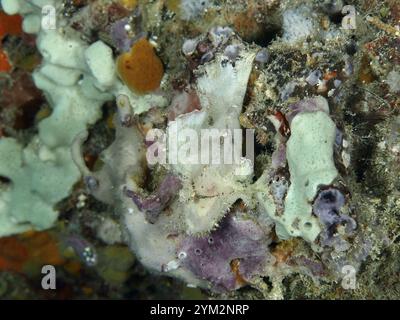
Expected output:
(236, 241)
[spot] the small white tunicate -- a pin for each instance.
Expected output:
(346, 159)
(189, 46)
(314, 77)
(262, 56)
(91, 183)
(232, 51)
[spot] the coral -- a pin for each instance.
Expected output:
(140, 69)
(193, 200)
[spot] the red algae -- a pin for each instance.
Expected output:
(19, 252)
(9, 25)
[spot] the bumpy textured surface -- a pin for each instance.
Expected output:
(310, 207)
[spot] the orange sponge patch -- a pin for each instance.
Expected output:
(141, 69)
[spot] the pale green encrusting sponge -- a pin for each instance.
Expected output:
(309, 152)
(310, 160)
(39, 178)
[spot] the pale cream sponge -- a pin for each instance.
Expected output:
(77, 79)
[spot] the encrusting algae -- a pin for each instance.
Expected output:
(9, 25)
(140, 69)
